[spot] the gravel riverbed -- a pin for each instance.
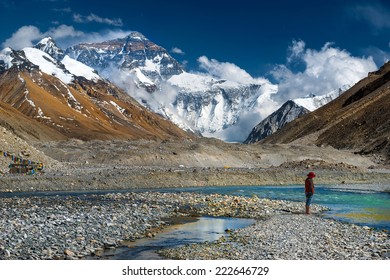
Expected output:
(74, 227)
(292, 237)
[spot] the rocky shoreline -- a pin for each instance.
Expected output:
(75, 227)
(291, 237)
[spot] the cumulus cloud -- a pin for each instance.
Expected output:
(64, 31)
(26, 36)
(95, 18)
(324, 71)
(177, 51)
(23, 37)
(227, 71)
(64, 35)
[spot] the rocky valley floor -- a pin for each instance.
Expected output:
(94, 165)
(60, 227)
(69, 227)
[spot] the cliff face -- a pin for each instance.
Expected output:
(288, 112)
(132, 52)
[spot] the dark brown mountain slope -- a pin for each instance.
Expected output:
(37, 106)
(358, 120)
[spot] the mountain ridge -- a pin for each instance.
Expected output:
(289, 111)
(357, 120)
(72, 99)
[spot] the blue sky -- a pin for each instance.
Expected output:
(255, 36)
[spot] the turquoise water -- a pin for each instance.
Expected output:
(368, 208)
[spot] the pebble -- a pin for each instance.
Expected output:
(292, 237)
(74, 227)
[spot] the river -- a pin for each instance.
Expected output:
(351, 204)
(364, 205)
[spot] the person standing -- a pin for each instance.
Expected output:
(309, 190)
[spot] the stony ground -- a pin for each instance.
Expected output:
(74, 227)
(92, 165)
(292, 237)
(77, 227)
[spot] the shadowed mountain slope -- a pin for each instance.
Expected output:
(358, 120)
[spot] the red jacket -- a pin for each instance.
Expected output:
(309, 185)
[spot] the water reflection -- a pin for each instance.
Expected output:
(193, 231)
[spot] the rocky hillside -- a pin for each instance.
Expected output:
(358, 120)
(288, 112)
(43, 98)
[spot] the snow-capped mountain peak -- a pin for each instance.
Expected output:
(66, 70)
(313, 102)
(47, 64)
(289, 111)
(135, 35)
(49, 46)
(129, 53)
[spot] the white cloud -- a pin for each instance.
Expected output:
(227, 71)
(64, 35)
(296, 50)
(23, 37)
(95, 18)
(27, 36)
(177, 51)
(64, 31)
(325, 70)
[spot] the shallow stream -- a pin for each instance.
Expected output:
(189, 230)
